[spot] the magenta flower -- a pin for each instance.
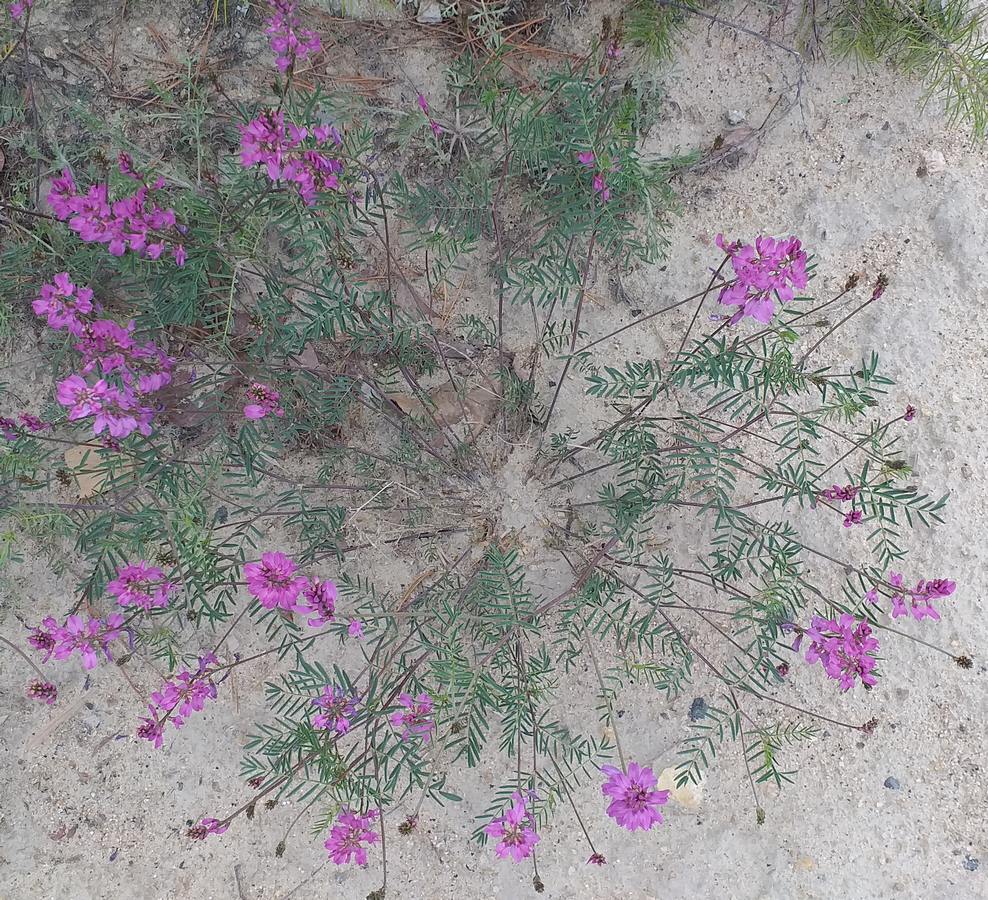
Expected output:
(415, 718)
(81, 398)
(853, 517)
(338, 708)
(910, 413)
(348, 836)
(839, 494)
(19, 7)
(141, 584)
(766, 269)
(597, 859)
(265, 402)
(205, 828)
(274, 581)
(152, 729)
(132, 223)
(514, 831)
(356, 629)
(42, 637)
(320, 601)
(613, 50)
(634, 801)
(87, 638)
(180, 696)
(843, 647)
(33, 423)
(268, 141)
(63, 304)
(600, 188)
(423, 103)
(921, 597)
(43, 691)
(586, 158)
(289, 41)
(8, 428)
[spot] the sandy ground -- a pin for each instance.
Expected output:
(85, 812)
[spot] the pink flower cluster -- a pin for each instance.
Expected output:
(839, 494)
(415, 718)
(180, 696)
(141, 584)
(19, 7)
(275, 581)
(338, 708)
(289, 41)
(437, 129)
(131, 223)
(205, 828)
(763, 269)
(920, 598)
(43, 691)
(634, 801)
(348, 836)
(11, 430)
(844, 648)
(108, 349)
(852, 517)
(268, 141)
(263, 402)
(588, 158)
(320, 602)
(514, 831)
(88, 638)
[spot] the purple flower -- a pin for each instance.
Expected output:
(265, 402)
(43, 691)
(921, 597)
(586, 158)
(42, 637)
(141, 584)
(355, 629)
(88, 638)
(268, 141)
(597, 859)
(844, 648)
(338, 708)
(289, 41)
(64, 305)
(415, 718)
(910, 413)
(131, 223)
(320, 600)
(33, 423)
(18, 8)
(600, 188)
(274, 581)
(205, 828)
(514, 831)
(348, 836)
(840, 494)
(634, 801)
(763, 270)
(853, 517)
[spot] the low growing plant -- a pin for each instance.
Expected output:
(263, 365)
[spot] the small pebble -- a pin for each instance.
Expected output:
(698, 709)
(971, 863)
(892, 783)
(736, 116)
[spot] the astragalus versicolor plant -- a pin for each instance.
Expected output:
(290, 304)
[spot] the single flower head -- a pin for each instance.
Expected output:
(514, 831)
(349, 835)
(634, 801)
